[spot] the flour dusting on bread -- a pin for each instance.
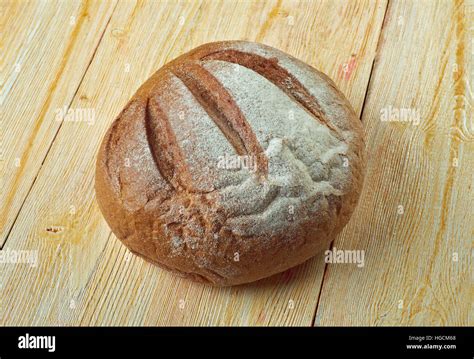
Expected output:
(179, 207)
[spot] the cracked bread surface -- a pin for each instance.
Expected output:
(162, 190)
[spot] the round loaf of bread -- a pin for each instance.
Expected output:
(231, 163)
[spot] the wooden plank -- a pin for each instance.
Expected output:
(46, 48)
(417, 263)
(84, 276)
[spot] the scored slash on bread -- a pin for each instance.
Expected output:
(280, 77)
(164, 147)
(223, 110)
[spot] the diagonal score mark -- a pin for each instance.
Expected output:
(280, 77)
(164, 147)
(223, 110)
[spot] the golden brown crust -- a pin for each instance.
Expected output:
(154, 204)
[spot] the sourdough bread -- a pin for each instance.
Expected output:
(231, 163)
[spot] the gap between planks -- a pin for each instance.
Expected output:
(369, 83)
(59, 128)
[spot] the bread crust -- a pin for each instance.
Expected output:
(175, 216)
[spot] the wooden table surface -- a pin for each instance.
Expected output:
(61, 265)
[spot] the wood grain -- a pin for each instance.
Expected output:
(48, 49)
(418, 268)
(84, 275)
